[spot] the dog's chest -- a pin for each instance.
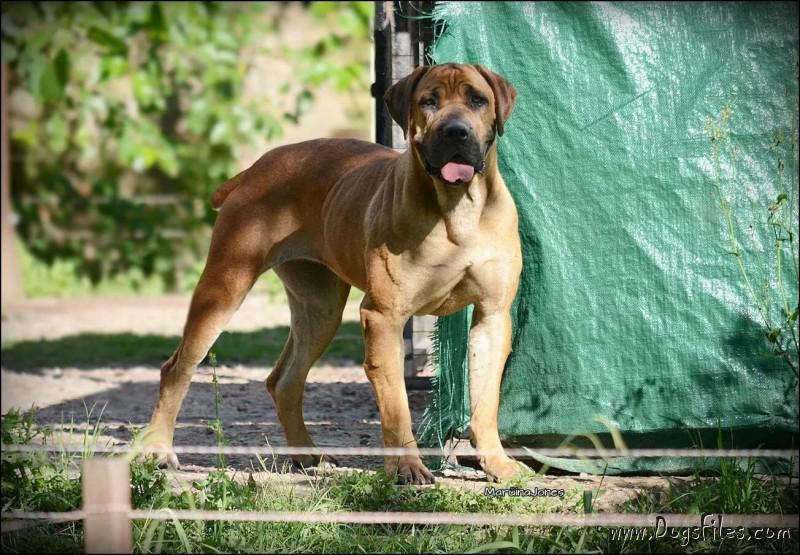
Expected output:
(458, 261)
(446, 282)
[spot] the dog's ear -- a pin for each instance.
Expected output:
(505, 96)
(398, 97)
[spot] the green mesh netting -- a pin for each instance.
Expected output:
(632, 310)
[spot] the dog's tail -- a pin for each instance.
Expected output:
(224, 190)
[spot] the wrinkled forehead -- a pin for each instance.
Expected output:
(452, 80)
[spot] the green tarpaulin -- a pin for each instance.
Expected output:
(633, 311)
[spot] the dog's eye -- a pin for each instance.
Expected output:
(428, 102)
(477, 100)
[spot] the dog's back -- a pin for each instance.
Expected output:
(291, 163)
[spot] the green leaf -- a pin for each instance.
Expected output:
(57, 134)
(62, 67)
(37, 40)
(305, 100)
(27, 133)
(104, 8)
(364, 10)
(167, 161)
(51, 88)
(34, 66)
(156, 23)
(104, 38)
(187, 547)
(350, 23)
(111, 67)
(143, 88)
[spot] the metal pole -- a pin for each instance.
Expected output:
(382, 33)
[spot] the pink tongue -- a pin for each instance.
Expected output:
(452, 172)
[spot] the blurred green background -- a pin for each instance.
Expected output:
(125, 117)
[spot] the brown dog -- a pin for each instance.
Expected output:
(429, 231)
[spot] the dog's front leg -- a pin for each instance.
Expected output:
(489, 346)
(383, 362)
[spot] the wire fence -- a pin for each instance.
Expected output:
(462, 451)
(107, 513)
(598, 520)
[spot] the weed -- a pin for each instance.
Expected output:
(775, 300)
(216, 424)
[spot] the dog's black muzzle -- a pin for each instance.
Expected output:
(454, 141)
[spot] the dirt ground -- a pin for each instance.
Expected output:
(339, 405)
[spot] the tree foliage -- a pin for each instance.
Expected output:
(126, 116)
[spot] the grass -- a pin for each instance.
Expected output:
(38, 482)
(92, 350)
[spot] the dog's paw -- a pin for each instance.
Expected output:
(499, 469)
(315, 462)
(160, 453)
(409, 470)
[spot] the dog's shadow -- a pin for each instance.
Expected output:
(336, 414)
(340, 413)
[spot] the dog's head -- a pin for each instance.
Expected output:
(451, 114)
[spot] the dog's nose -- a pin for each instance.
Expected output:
(456, 130)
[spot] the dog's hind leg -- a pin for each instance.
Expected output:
(237, 256)
(316, 297)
